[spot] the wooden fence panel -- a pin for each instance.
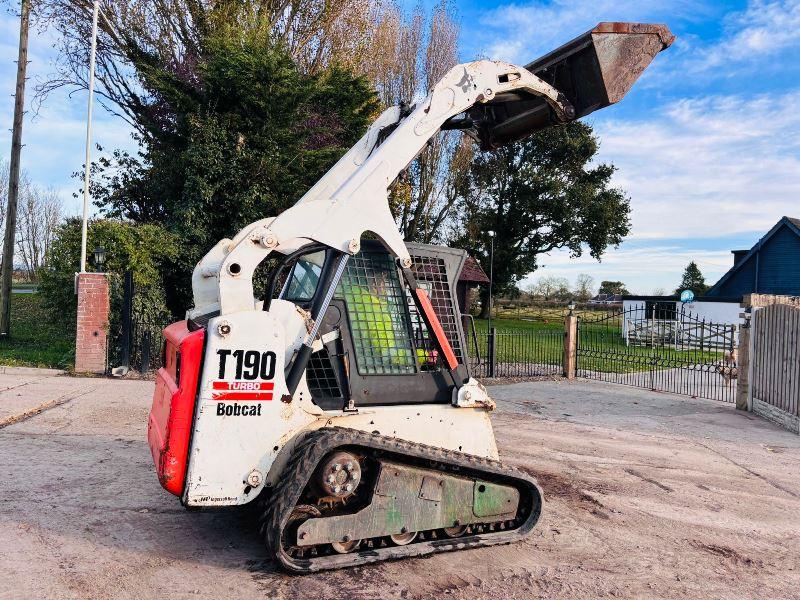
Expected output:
(776, 357)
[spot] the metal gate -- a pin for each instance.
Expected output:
(135, 335)
(660, 348)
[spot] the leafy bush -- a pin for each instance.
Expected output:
(142, 249)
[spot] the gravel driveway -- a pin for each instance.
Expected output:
(648, 495)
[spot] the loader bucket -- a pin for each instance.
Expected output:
(598, 68)
(592, 71)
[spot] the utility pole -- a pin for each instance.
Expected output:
(13, 176)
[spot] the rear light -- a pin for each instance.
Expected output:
(170, 425)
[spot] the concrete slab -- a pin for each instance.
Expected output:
(22, 395)
(34, 371)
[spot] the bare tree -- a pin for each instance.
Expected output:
(412, 53)
(551, 287)
(40, 212)
(584, 287)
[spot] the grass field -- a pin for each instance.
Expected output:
(551, 313)
(35, 340)
(601, 346)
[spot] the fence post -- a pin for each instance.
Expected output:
(145, 366)
(743, 359)
(570, 345)
(492, 351)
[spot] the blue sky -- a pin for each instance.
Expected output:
(707, 143)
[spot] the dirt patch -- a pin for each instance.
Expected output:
(560, 486)
(489, 381)
(724, 552)
(649, 480)
(88, 532)
(23, 416)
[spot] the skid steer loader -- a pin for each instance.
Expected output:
(342, 398)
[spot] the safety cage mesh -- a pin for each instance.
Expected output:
(431, 275)
(376, 307)
(321, 377)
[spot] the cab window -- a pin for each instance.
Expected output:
(304, 277)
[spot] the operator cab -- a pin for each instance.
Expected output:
(376, 348)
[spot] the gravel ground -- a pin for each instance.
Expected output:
(648, 495)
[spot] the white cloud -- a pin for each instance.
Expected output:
(712, 167)
(708, 167)
(53, 137)
(763, 29)
(522, 32)
(696, 167)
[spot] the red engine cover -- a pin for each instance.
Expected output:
(170, 424)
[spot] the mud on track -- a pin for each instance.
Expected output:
(648, 495)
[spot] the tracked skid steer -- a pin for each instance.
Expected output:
(339, 400)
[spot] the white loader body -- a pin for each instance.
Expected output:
(342, 398)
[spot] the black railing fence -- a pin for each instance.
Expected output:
(136, 337)
(514, 353)
(647, 346)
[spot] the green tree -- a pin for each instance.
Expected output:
(616, 288)
(236, 135)
(692, 280)
(538, 195)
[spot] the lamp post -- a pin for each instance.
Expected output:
(491, 276)
(99, 255)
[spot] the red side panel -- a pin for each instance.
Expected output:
(170, 424)
(433, 323)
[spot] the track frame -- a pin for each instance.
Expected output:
(315, 445)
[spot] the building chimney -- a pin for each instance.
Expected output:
(738, 255)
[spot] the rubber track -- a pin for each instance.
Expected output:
(317, 444)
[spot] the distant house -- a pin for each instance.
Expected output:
(772, 266)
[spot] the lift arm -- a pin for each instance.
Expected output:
(497, 102)
(353, 197)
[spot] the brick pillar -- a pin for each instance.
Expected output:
(92, 327)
